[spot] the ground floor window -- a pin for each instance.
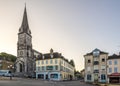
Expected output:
(103, 77)
(41, 76)
(54, 75)
(89, 77)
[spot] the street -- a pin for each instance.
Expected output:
(33, 82)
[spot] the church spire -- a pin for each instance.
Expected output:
(25, 25)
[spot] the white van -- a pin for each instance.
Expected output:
(5, 73)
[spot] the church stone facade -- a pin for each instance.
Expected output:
(25, 63)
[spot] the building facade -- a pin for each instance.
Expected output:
(54, 66)
(96, 66)
(113, 69)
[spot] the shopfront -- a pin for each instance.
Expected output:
(114, 78)
(48, 75)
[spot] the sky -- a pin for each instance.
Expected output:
(70, 27)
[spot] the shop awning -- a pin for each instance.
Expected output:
(114, 75)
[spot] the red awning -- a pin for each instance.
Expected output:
(114, 74)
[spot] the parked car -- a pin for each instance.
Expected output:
(6, 73)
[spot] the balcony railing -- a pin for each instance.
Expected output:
(96, 71)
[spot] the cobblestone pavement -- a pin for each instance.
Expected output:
(33, 82)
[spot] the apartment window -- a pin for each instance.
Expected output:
(55, 61)
(103, 77)
(103, 67)
(43, 68)
(110, 62)
(42, 61)
(46, 61)
(38, 68)
(51, 61)
(89, 61)
(61, 68)
(38, 62)
(115, 62)
(110, 70)
(103, 60)
(115, 69)
(88, 77)
(56, 67)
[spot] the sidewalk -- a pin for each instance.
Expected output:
(113, 84)
(8, 78)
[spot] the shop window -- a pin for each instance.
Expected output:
(54, 76)
(41, 76)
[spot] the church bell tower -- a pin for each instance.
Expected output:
(24, 62)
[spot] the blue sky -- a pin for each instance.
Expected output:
(71, 27)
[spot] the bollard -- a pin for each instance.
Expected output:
(10, 77)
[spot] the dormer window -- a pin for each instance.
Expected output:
(96, 53)
(51, 55)
(43, 56)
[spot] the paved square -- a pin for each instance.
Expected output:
(33, 82)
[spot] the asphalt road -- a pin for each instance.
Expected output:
(33, 82)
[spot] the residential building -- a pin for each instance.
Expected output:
(96, 66)
(53, 66)
(113, 69)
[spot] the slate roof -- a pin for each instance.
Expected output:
(25, 25)
(48, 56)
(101, 52)
(114, 56)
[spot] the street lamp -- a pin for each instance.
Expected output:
(11, 68)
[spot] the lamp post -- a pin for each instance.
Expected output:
(11, 68)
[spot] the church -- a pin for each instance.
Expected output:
(25, 63)
(27, 58)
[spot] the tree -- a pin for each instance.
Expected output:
(72, 62)
(7, 57)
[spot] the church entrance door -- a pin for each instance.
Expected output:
(20, 65)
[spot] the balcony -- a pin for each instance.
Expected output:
(96, 63)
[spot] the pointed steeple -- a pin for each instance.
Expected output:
(25, 25)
